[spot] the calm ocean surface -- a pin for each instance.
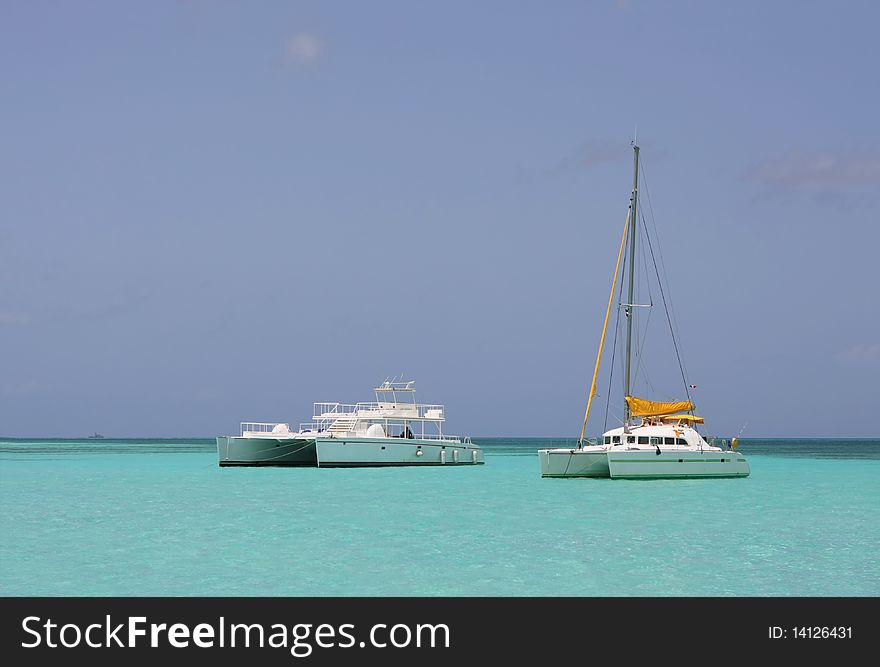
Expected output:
(159, 517)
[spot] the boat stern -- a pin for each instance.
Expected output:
(241, 451)
(585, 462)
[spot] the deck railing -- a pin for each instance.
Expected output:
(250, 429)
(261, 427)
(326, 411)
(334, 409)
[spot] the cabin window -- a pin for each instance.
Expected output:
(643, 440)
(615, 439)
(668, 441)
(631, 439)
(680, 441)
(656, 441)
(607, 439)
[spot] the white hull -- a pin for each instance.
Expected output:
(647, 464)
(374, 452)
(573, 462)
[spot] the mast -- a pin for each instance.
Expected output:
(633, 204)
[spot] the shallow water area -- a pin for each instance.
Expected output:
(159, 517)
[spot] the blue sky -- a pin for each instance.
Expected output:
(213, 212)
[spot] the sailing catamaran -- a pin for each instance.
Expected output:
(664, 442)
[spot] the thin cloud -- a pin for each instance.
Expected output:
(304, 48)
(861, 353)
(590, 154)
(817, 172)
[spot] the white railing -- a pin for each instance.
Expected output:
(437, 436)
(326, 411)
(261, 427)
(331, 410)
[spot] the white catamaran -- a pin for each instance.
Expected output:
(657, 439)
(392, 431)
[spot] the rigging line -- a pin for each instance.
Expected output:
(660, 250)
(568, 464)
(641, 366)
(648, 382)
(613, 351)
(687, 388)
(618, 417)
(611, 373)
(640, 346)
(635, 313)
(673, 323)
(642, 332)
(645, 262)
(647, 318)
(605, 325)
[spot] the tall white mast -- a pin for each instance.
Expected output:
(633, 204)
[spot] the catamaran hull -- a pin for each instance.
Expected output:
(573, 463)
(648, 464)
(233, 451)
(379, 452)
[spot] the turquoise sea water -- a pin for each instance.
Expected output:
(159, 517)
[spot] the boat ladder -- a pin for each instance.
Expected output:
(342, 426)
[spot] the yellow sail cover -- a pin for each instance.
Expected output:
(683, 418)
(640, 407)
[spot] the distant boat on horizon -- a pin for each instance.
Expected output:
(96, 436)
